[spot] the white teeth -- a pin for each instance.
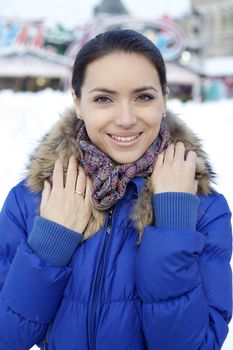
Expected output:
(124, 138)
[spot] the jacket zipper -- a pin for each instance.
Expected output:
(45, 347)
(98, 287)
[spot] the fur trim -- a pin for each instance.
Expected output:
(60, 142)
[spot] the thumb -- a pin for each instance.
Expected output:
(159, 161)
(45, 193)
(196, 186)
(158, 164)
(88, 191)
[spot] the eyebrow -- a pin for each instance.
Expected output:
(144, 88)
(108, 91)
(101, 89)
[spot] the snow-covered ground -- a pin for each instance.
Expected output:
(25, 117)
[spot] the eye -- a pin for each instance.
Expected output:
(145, 98)
(102, 99)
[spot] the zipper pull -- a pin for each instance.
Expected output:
(109, 226)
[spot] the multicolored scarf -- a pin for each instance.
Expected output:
(110, 180)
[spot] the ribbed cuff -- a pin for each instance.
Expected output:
(176, 210)
(54, 243)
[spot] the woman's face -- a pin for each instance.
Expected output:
(121, 104)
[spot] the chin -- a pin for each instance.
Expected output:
(125, 159)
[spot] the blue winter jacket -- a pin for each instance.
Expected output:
(171, 292)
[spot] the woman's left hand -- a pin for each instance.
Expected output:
(174, 173)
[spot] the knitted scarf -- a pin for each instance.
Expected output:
(109, 180)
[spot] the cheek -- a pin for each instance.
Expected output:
(95, 121)
(154, 132)
(155, 123)
(155, 120)
(94, 131)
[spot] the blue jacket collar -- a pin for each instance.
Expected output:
(135, 187)
(139, 183)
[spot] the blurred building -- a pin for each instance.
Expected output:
(33, 57)
(30, 69)
(110, 7)
(209, 28)
(209, 46)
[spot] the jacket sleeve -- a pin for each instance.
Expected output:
(184, 277)
(30, 288)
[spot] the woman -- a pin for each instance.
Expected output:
(129, 245)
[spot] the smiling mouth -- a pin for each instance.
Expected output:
(125, 138)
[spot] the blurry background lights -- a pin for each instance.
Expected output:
(41, 81)
(185, 57)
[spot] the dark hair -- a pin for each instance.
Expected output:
(124, 40)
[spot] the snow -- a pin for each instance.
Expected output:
(25, 117)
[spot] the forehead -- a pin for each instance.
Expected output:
(121, 67)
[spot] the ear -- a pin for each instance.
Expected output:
(76, 102)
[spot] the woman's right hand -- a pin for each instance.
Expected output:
(68, 205)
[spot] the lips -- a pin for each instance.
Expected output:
(125, 140)
(126, 137)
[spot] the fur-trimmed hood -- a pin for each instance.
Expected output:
(60, 142)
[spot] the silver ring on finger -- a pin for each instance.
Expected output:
(80, 193)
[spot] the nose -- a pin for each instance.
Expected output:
(125, 116)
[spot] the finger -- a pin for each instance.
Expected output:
(81, 181)
(71, 174)
(45, 193)
(179, 151)
(58, 176)
(159, 160)
(196, 186)
(88, 191)
(191, 157)
(169, 153)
